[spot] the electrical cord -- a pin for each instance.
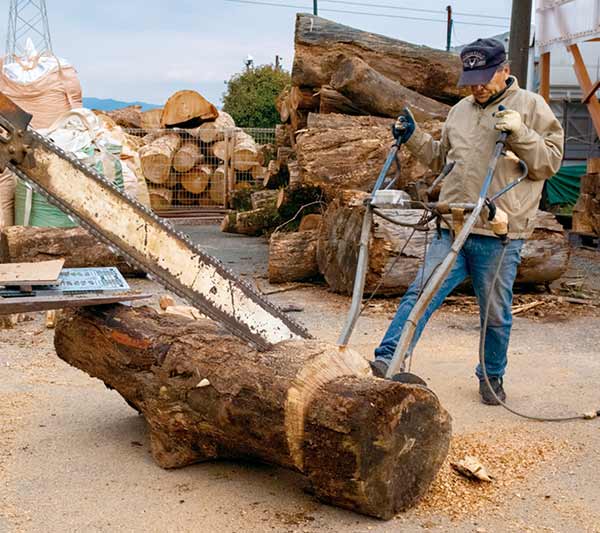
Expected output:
(586, 416)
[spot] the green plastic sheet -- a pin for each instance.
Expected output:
(563, 187)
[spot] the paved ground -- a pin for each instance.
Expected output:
(75, 457)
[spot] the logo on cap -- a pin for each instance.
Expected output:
(474, 59)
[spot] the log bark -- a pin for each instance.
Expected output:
(187, 109)
(293, 256)
(252, 223)
(263, 198)
(127, 117)
(156, 158)
(196, 181)
(303, 99)
(320, 44)
(331, 101)
(210, 132)
(282, 104)
(379, 95)
(21, 244)
(365, 444)
(544, 256)
(187, 157)
(151, 119)
(351, 156)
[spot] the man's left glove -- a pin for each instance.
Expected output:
(405, 126)
(508, 120)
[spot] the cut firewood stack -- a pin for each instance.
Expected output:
(586, 213)
(189, 149)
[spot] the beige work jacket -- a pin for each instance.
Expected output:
(468, 139)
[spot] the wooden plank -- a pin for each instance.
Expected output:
(591, 92)
(42, 273)
(545, 76)
(586, 85)
(28, 304)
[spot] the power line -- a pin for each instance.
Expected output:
(256, 2)
(420, 10)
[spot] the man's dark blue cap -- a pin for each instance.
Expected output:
(480, 60)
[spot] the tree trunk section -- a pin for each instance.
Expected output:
(217, 186)
(24, 244)
(351, 155)
(245, 152)
(156, 158)
(129, 117)
(544, 256)
(187, 109)
(187, 157)
(320, 44)
(379, 95)
(210, 132)
(196, 181)
(365, 444)
(293, 256)
(151, 119)
(331, 101)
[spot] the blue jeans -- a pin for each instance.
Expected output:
(477, 259)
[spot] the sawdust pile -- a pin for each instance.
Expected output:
(509, 455)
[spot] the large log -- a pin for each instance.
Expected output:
(293, 256)
(545, 254)
(127, 117)
(24, 244)
(351, 156)
(187, 157)
(160, 198)
(365, 444)
(214, 131)
(320, 44)
(151, 119)
(331, 101)
(156, 158)
(187, 109)
(196, 180)
(379, 95)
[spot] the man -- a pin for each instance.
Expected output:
(468, 138)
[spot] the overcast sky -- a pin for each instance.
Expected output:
(147, 49)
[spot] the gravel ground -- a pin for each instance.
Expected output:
(75, 457)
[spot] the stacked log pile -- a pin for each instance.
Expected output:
(586, 213)
(348, 86)
(188, 149)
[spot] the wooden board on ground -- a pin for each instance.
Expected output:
(28, 304)
(42, 273)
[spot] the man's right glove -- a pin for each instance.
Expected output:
(405, 126)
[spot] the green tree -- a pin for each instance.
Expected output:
(250, 96)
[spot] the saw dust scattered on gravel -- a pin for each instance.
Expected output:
(509, 455)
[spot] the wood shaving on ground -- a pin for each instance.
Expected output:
(511, 454)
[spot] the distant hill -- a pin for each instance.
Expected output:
(108, 104)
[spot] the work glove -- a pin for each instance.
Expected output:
(508, 120)
(405, 126)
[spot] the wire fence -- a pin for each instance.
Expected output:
(200, 169)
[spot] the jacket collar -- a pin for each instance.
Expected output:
(512, 85)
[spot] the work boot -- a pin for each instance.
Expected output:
(379, 368)
(486, 394)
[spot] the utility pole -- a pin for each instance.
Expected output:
(27, 18)
(518, 44)
(449, 28)
(315, 8)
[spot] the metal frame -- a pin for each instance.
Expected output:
(27, 17)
